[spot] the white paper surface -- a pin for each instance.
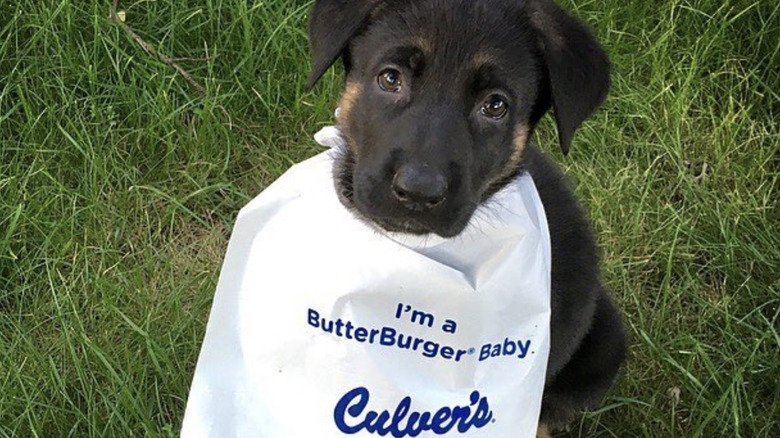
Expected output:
(323, 326)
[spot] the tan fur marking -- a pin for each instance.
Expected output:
(543, 431)
(518, 147)
(351, 94)
(519, 143)
(520, 140)
(378, 10)
(423, 43)
(484, 57)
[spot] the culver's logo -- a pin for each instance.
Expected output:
(352, 416)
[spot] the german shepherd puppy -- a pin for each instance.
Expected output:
(440, 102)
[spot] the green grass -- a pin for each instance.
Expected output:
(119, 184)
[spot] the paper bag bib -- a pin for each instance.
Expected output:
(323, 326)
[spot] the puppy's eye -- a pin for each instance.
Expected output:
(494, 107)
(389, 80)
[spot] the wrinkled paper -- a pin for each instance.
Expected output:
(324, 326)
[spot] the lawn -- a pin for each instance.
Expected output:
(120, 182)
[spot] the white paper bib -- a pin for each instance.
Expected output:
(324, 327)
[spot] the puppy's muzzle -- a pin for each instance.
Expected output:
(419, 187)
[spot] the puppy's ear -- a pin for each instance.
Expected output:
(331, 25)
(577, 67)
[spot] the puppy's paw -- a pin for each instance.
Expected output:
(543, 431)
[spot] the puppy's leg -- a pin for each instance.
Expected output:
(585, 379)
(543, 431)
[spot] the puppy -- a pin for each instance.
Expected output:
(441, 99)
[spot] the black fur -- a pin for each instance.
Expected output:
(458, 62)
(334, 22)
(577, 67)
(586, 332)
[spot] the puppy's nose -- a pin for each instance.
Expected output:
(419, 187)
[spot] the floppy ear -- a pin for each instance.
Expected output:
(577, 67)
(331, 25)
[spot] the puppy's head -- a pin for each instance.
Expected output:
(443, 95)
